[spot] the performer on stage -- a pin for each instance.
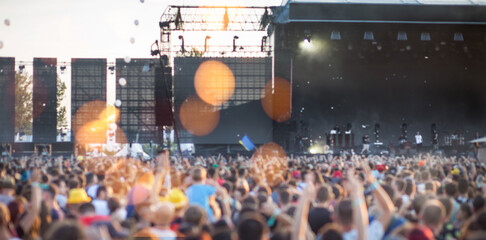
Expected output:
(435, 141)
(418, 141)
(366, 144)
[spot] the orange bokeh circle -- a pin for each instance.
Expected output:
(110, 113)
(270, 150)
(276, 100)
(121, 137)
(214, 82)
(90, 111)
(198, 117)
(92, 132)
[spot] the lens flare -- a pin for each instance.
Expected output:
(92, 132)
(122, 82)
(214, 82)
(276, 99)
(121, 137)
(198, 117)
(90, 111)
(111, 114)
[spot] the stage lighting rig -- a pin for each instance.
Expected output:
(21, 68)
(183, 50)
(369, 36)
(62, 68)
(425, 36)
(335, 35)
(165, 24)
(234, 43)
(458, 37)
(206, 43)
(112, 69)
(307, 36)
(264, 42)
(402, 36)
(154, 49)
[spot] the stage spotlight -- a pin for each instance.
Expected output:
(402, 36)
(425, 36)
(206, 43)
(112, 69)
(307, 36)
(62, 68)
(264, 42)
(21, 69)
(458, 37)
(369, 36)
(335, 35)
(234, 43)
(183, 50)
(164, 24)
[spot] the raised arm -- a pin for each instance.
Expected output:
(360, 213)
(163, 160)
(300, 226)
(384, 201)
(35, 203)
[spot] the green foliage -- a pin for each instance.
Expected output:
(23, 103)
(195, 53)
(61, 110)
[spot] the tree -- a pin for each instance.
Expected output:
(23, 103)
(61, 110)
(195, 53)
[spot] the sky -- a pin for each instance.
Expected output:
(86, 28)
(66, 29)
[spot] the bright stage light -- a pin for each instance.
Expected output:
(306, 44)
(317, 148)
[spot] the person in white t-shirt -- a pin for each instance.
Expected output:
(91, 185)
(418, 141)
(101, 203)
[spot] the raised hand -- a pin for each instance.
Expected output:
(36, 175)
(353, 185)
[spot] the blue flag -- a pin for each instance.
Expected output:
(247, 144)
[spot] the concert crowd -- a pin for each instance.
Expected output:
(261, 197)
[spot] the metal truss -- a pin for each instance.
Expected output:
(196, 18)
(223, 19)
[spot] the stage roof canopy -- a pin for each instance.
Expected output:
(420, 2)
(466, 12)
